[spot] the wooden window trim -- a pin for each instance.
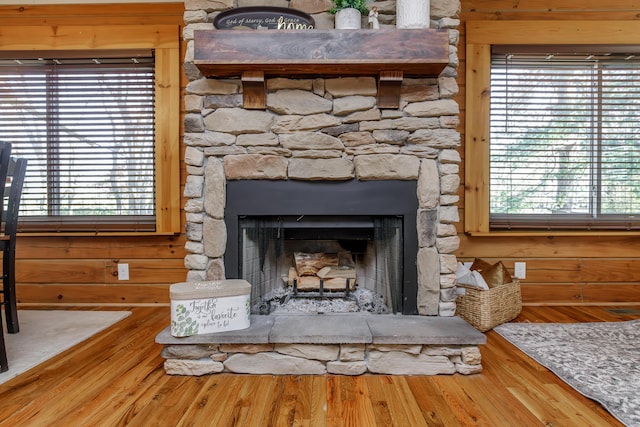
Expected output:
(480, 35)
(164, 39)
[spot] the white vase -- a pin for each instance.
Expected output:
(413, 13)
(348, 19)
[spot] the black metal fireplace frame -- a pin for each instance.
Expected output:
(347, 198)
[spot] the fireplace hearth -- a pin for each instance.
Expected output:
(333, 343)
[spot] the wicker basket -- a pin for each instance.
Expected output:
(484, 309)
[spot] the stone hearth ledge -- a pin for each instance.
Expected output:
(351, 344)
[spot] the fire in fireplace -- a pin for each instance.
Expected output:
(324, 246)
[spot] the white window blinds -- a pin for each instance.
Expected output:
(565, 148)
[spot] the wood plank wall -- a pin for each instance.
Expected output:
(83, 270)
(560, 270)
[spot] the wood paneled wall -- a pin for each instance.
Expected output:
(83, 270)
(595, 269)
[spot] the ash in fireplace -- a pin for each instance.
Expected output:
(282, 301)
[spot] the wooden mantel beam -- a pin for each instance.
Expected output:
(388, 54)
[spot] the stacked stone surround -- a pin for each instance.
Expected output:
(318, 359)
(325, 129)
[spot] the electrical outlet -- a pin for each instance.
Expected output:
(123, 271)
(520, 270)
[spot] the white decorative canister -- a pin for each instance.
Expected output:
(348, 19)
(208, 307)
(413, 13)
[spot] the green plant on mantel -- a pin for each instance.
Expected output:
(361, 5)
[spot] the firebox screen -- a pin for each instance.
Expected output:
(322, 264)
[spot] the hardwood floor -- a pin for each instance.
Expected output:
(117, 378)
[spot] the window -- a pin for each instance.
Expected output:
(551, 150)
(86, 125)
(564, 149)
(99, 126)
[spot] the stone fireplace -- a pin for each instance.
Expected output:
(324, 161)
(326, 129)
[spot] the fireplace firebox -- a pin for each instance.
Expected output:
(369, 226)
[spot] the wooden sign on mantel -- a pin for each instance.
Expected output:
(389, 54)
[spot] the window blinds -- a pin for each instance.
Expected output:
(564, 151)
(87, 127)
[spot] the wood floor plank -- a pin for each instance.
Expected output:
(117, 378)
(435, 409)
(166, 406)
(537, 404)
(334, 402)
(205, 401)
(303, 402)
(363, 408)
(318, 415)
(238, 396)
(389, 388)
(408, 401)
(494, 399)
(575, 407)
(286, 408)
(349, 413)
(262, 387)
(278, 403)
(242, 406)
(118, 399)
(468, 411)
(379, 400)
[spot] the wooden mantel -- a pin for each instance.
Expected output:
(388, 54)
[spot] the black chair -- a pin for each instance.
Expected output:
(5, 155)
(16, 171)
(5, 160)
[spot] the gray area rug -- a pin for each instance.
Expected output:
(46, 333)
(599, 360)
